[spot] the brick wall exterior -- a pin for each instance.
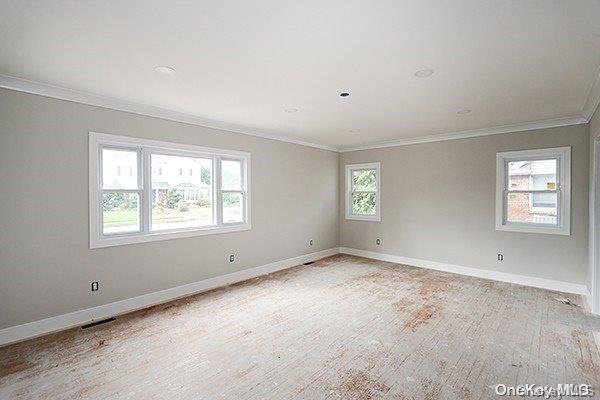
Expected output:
(519, 202)
(520, 205)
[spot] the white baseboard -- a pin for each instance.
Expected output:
(60, 322)
(543, 283)
(588, 302)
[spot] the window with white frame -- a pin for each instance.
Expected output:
(533, 191)
(363, 192)
(155, 200)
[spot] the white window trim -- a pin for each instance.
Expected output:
(362, 217)
(563, 154)
(145, 147)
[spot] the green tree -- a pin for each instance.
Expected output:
(112, 200)
(206, 175)
(173, 197)
(365, 186)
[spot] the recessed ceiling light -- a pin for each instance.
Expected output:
(354, 131)
(165, 70)
(344, 94)
(465, 111)
(424, 73)
(291, 110)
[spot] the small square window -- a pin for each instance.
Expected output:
(533, 191)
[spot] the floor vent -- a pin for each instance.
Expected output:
(104, 321)
(308, 263)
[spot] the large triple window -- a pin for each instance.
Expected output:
(533, 191)
(145, 190)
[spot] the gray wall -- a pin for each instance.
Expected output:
(438, 204)
(46, 265)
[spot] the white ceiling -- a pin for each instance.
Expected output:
(243, 62)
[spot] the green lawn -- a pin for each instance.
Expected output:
(113, 219)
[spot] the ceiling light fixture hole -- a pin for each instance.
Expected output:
(163, 69)
(424, 73)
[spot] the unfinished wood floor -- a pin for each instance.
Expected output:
(344, 327)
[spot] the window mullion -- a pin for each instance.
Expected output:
(233, 191)
(532, 191)
(559, 210)
(350, 184)
(120, 190)
(218, 195)
(244, 186)
(146, 197)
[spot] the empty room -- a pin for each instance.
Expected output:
(299, 200)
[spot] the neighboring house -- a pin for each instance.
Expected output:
(168, 172)
(185, 175)
(534, 207)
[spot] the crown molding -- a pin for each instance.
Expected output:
(593, 99)
(57, 92)
(528, 126)
(62, 93)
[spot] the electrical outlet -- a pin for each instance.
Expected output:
(378, 241)
(310, 242)
(500, 257)
(231, 258)
(95, 286)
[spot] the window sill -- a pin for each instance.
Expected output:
(565, 231)
(120, 240)
(372, 218)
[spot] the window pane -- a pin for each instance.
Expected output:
(364, 203)
(365, 179)
(120, 212)
(119, 169)
(233, 210)
(545, 200)
(532, 175)
(181, 200)
(231, 175)
(538, 208)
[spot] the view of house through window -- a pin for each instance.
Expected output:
(145, 190)
(120, 194)
(532, 191)
(181, 200)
